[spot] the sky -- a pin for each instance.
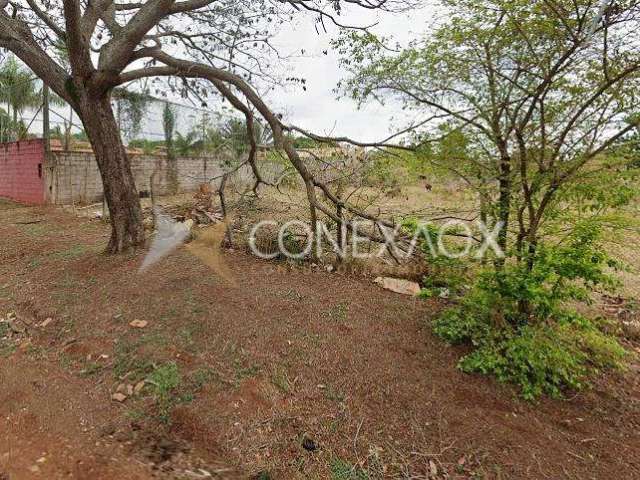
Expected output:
(317, 109)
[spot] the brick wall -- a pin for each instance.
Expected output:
(21, 171)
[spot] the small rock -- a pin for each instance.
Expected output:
(41, 460)
(34, 468)
(119, 397)
(138, 323)
(444, 293)
(138, 388)
(398, 285)
(129, 390)
(46, 322)
(330, 268)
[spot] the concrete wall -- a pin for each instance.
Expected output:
(73, 177)
(21, 171)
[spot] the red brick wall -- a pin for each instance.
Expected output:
(22, 171)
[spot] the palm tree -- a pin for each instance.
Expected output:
(6, 126)
(186, 145)
(18, 88)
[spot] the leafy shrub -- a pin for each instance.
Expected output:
(521, 328)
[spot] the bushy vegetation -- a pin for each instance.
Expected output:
(521, 324)
(531, 119)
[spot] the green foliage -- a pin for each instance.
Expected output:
(555, 274)
(341, 470)
(519, 323)
(7, 127)
(147, 146)
(165, 379)
(81, 136)
(18, 89)
(168, 124)
(386, 172)
(546, 358)
(186, 145)
(394, 168)
(131, 108)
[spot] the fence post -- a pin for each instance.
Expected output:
(46, 132)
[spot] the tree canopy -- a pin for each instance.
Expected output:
(199, 48)
(519, 96)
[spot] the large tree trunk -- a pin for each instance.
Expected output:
(120, 190)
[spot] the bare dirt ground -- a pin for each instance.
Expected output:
(267, 358)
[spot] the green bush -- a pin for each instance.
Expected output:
(521, 328)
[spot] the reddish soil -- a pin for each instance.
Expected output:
(271, 356)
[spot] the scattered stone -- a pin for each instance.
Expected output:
(138, 323)
(398, 285)
(330, 268)
(129, 390)
(119, 397)
(433, 468)
(444, 293)
(41, 460)
(34, 468)
(47, 321)
(138, 388)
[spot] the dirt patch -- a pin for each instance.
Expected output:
(241, 373)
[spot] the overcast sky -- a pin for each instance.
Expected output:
(316, 109)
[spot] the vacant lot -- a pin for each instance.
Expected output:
(232, 373)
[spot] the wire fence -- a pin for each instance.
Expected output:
(27, 120)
